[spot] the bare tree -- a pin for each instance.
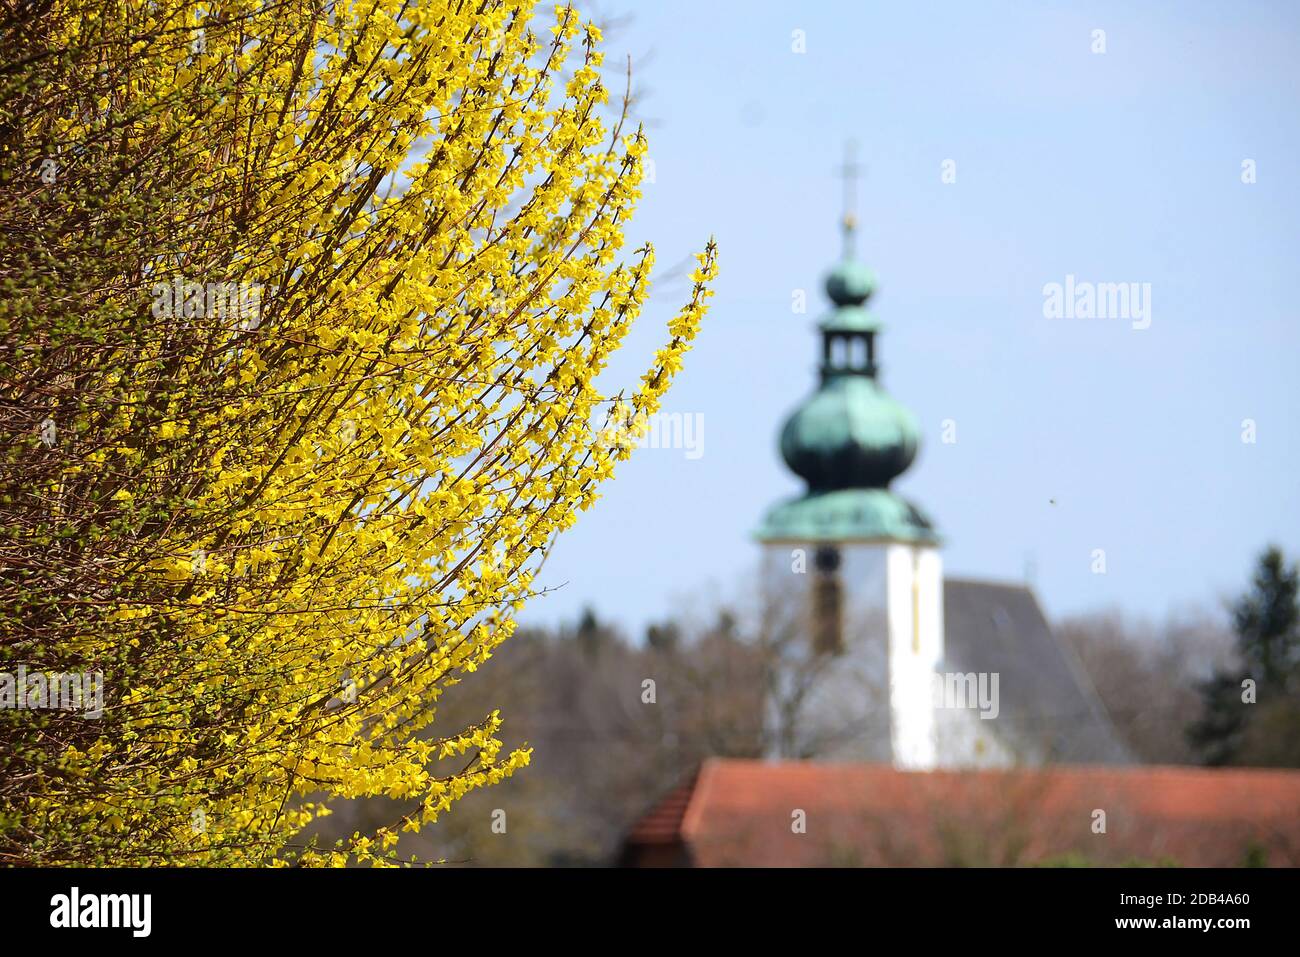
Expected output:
(1147, 676)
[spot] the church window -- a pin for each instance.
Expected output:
(827, 604)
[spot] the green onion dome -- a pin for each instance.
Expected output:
(849, 434)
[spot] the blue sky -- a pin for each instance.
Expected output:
(1124, 166)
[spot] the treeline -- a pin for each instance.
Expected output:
(614, 723)
(1197, 692)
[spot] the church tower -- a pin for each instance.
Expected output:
(856, 566)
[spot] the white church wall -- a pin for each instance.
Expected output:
(842, 700)
(879, 699)
(872, 702)
(965, 740)
(915, 603)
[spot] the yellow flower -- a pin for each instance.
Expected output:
(393, 269)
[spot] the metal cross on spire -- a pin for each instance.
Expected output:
(850, 172)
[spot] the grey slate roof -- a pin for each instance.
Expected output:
(1048, 707)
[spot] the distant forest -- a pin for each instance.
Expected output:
(607, 745)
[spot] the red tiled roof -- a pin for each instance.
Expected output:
(663, 823)
(740, 813)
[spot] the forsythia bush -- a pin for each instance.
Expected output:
(301, 303)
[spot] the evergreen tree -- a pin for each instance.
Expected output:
(1265, 622)
(1229, 729)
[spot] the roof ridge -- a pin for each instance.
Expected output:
(1092, 768)
(662, 820)
(990, 583)
(700, 783)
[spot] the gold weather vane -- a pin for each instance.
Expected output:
(850, 172)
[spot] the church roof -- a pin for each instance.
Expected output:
(739, 813)
(847, 515)
(1048, 710)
